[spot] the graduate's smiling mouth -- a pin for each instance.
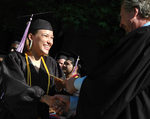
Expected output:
(47, 47)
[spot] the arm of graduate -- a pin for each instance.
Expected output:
(19, 98)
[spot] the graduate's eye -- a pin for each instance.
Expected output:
(45, 35)
(52, 37)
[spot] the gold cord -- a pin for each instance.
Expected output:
(29, 73)
(47, 73)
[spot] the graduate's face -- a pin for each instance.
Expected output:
(42, 42)
(68, 67)
(128, 19)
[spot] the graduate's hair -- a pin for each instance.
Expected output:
(142, 5)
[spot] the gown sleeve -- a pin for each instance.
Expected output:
(20, 99)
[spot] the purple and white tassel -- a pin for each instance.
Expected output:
(21, 45)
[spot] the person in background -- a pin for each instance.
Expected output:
(119, 86)
(14, 45)
(71, 68)
(61, 58)
(27, 75)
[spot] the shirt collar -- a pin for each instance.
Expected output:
(147, 24)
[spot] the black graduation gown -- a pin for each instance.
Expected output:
(22, 101)
(119, 87)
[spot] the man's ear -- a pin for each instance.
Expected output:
(136, 12)
(77, 68)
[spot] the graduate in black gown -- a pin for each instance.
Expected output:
(27, 81)
(119, 87)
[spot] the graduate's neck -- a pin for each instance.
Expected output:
(36, 61)
(35, 57)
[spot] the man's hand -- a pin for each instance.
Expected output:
(69, 84)
(62, 104)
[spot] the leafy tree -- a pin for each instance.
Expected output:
(71, 13)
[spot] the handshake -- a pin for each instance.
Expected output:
(60, 103)
(57, 103)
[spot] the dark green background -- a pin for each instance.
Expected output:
(84, 26)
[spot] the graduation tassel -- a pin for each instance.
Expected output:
(21, 45)
(76, 65)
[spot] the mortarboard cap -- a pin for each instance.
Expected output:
(40, 24)
(62, 55)
(31, 27)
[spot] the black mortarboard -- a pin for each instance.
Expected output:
(32, 27)
(40, 24)
(62, 55)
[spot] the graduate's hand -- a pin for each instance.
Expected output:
(62, 104)
(49, 100)
(69, 84)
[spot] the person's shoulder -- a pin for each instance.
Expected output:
(147, 28)
(143, 31)
(16, 54)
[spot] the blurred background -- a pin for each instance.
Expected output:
(87, 27)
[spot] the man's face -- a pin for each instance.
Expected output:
(13, 47)
(61, 62)
(68, 67)
(127, 19)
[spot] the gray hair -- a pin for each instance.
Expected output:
(142, 5)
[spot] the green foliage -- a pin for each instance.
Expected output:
(78, 15)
